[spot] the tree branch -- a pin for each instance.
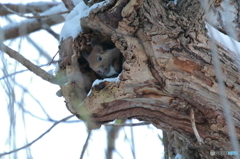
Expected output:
(28, 64)
(13, 30)
(32, 17)
(21, 71)
(112, 134)
(56, 123)
(32, 42)
(124, 124)
(68, 4)
(27, 8)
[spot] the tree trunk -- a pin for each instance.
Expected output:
(167, 73)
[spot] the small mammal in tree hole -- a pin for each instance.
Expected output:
(105, 59)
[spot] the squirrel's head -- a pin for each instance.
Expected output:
(99, 60)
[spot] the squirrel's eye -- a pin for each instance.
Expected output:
(99, 59)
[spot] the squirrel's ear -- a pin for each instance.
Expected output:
(84, 54)
(94, 41)
(98, 49)
(108, 45)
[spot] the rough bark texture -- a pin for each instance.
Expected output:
(168, 71)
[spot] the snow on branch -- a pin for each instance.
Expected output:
(13, 30)
(72, 26)
(223, 15)
(32, 17)
(27, 8)
(25, 27)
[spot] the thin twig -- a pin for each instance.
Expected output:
(28, 145)
(85, 144)
(136, 124)
(133, 143)
(53, 58)
(192, 118)
(48, 28)
(50, 119)
(32, 17)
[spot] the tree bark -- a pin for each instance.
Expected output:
(168, 72)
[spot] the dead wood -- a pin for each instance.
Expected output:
(168, 71)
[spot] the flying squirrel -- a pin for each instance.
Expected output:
(105, 59)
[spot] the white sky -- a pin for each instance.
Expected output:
(65, 140)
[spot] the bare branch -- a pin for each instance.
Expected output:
(68, 4)
(28, 145)
(30, 25)
(27, 8)
(32, 17)
(36, 15)
(21, 71)
(46, 55)
(50, 31)
(85, 144)
(134, 124)
(132, 143)
(165, 143)
(112, 134)
(35, 69)
(49, 119)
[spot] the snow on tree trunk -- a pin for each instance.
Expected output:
(167, 73)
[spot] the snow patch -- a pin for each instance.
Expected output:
(111, 72)
(178, 156)
(75, 2)
(72, 26)
(97, 81)
(56, 9)
(225, 40)
(173, 1)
